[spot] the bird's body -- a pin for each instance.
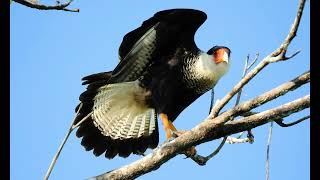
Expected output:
(161, 71)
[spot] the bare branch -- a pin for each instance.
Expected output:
(280, 122)
(292, 33)
(245, 71)
(266, 97)
(81, 121)
(277, 55)
(253, 62)
(204, 132)
(53, 162)
(59, 6)
(258, 101)
(201, 160)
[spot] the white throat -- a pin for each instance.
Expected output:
(205, 67)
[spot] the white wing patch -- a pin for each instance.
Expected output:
(120, 111)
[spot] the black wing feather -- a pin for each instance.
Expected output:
(191, 15)
(156, 37)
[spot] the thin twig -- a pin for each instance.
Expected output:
(201, 160)
(81, 121)
(61, 145)
(240, 135)
(280, 123)
(212, 99)
(253, 62)
(245, 71)
(231, 140)
(250, 135)
(268, 150)
(59, 6)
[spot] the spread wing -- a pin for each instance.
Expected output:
(156, 37)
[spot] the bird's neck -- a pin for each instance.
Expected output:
(205, 72)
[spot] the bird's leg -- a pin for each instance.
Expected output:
(168, 127)
(167, 124)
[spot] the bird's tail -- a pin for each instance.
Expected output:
(121, 121)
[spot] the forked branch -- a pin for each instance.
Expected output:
(202, 133)
(277, 55)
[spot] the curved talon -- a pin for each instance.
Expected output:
(191, 151)
(169, 140)
(169, 127)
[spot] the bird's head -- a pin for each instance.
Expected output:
(220, 54)
(213, 64)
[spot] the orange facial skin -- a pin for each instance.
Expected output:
(218, 55)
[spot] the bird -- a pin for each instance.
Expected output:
(161, 71)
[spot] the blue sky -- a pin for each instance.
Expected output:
(50, 51)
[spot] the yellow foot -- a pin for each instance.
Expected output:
(168, 127)
(167, 124)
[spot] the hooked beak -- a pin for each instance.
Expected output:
(223, 58)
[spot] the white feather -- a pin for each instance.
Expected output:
(120, 111)
(207, 68)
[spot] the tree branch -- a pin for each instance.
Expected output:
(278, 55)
(55, 158)
(280, 122)
(205, 131)
(268, 150)
(265, 97)
(244, 109)
(281, 51)
(35, 5)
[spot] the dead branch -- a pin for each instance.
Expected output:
(280, 122)
(58, 6)
(205, 131)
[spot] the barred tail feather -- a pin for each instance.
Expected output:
(121, 122)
